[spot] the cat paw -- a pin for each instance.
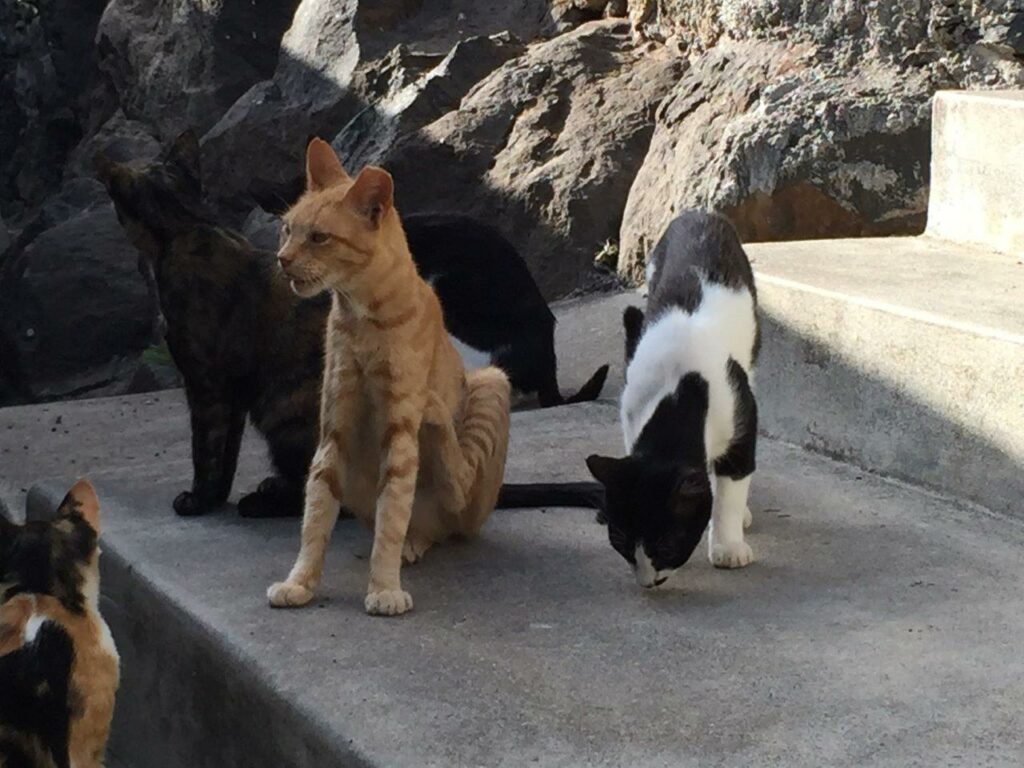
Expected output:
(734, 554)
(187, 504)
(289, 594)
(389, 602)
(748, 518)
(413, 550)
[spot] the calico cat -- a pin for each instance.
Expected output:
(59, 668)
(688, 411)
(246, 345)
(492, 307)
(409, 441)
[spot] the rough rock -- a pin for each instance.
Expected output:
(179, 64)
(734, 136)
(45, 67)
(545, 147)
(73, 307)
(338, 58)
(408, 107)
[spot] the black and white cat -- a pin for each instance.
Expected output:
(689, 417)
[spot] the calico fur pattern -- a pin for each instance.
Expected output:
(59, 668)
(409, 442)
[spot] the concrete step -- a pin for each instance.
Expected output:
(877, 627)
(977, 167)
(904, 356)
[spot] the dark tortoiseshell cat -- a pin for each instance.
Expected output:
(59, 669)
(245, 344)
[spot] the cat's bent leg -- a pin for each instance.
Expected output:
(323, 502)
(399, 469)
(472, 451)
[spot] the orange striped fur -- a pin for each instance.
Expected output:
(409, 442)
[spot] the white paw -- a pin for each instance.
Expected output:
(289, 594)
(389, 602)
(733, 554)
(748, 518)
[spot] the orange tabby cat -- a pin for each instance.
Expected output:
(409, 441)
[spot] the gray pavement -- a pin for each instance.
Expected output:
(879, 626)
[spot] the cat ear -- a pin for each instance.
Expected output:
(373, 194)
(184, 153)
(81, 501)
(609, 471)
(323, 168)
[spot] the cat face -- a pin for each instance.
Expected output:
(59, 557)
(331, 237)
(656, 513)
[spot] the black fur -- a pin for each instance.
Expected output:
(47, 559)
(659, 496)
(518, 496)
(34, 709)
(491, 302)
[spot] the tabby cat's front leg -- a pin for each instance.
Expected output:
(324, 486)
(399, 469)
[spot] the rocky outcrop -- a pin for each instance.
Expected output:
(576, 126)
(758, 131)
(545, 147)
(180, 64)
(73, 307)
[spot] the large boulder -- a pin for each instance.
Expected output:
(546, 147)
(408, 106)
(338, 60)
(806, 119)
(74, 310)
(178, 63)
(758, 131)
(45, 68)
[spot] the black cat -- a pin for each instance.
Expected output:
(492, 307)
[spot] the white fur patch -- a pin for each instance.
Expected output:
(676, 344)
(32, 627)
(472, 358)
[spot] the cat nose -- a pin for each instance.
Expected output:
(284, 260)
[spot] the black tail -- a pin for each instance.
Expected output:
(588, 495)
(550, 396)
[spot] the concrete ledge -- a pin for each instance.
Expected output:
(872, 629)
(903, 355)
(977, 167)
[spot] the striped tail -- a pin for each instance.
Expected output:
(588, 495)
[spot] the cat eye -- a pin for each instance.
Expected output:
(318, 238)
